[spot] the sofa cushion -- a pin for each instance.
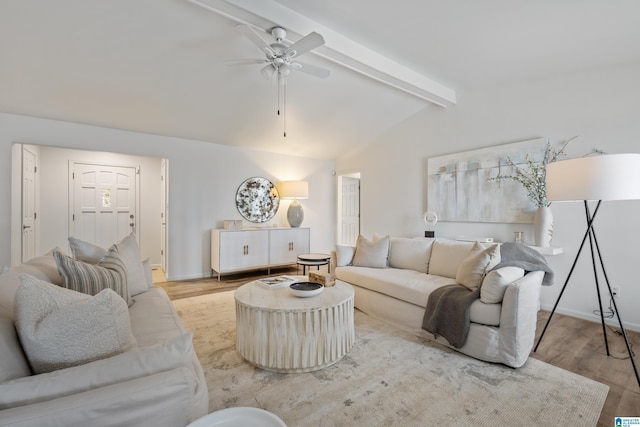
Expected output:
(412, 287)
(447, 255)
(496, 281)
(108, 273)
(59, 327)
(154, 318)
(344, 255)
(371, 254)
(485, 314)
(411, 254)
(406, 285)
(474, 267)
(13, 362)
(129, 252)
(137, 363)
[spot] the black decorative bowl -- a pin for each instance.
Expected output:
(306, 289)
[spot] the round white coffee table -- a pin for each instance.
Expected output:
(280, 332)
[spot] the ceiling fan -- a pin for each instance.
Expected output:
(281, 59)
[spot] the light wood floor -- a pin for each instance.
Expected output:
(570, 343)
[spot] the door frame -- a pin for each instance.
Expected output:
(164, 211)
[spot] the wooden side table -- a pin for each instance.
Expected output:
(314, 260)
(280, 332)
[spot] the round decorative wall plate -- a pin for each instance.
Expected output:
(257, 199)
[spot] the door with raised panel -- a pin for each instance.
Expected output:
(286, 244)
(104, 202)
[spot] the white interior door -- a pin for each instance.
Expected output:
(28, 205)
(349, 215)
(104, 202)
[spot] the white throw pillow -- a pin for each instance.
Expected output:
(128, 251)
(344, 255)
(495, 283)
(410, 254)
(9, 283)
(42, 267)
(85, 251)
(446, 257)
(474, 267)
(108, 273)
(148, 275)
(59, 328)
(370, 254)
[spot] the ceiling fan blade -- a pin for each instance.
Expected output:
(305, 44)
(267, 71)
(233, 62)
(255, 38)
(311, 69)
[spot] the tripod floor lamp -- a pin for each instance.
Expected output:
(600, 178)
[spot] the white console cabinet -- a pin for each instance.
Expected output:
(248, 249)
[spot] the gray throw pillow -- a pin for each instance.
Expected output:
(371, 254)
(109, 273)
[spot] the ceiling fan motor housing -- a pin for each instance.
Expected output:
(278, 33)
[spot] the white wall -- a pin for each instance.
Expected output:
(600, 106)
(203, 179)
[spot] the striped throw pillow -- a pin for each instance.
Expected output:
(110, 272)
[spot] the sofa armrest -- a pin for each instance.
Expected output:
(162, 399)
(519, 317)
(177, 352)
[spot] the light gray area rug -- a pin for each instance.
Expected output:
(389, 378)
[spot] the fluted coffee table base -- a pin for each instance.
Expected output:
(280, 332)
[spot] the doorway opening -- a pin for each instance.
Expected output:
(130, 186)
(348, 208)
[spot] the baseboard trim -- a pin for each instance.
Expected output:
(594, 318)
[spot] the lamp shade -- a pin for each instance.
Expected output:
(294, 190)
(607, 177)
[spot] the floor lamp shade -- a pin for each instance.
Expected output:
(607, 177)
(294, 190)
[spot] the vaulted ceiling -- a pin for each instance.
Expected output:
(159, 66)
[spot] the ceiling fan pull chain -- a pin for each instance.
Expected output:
(284, 89)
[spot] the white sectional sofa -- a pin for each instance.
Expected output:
(156, 381)
(393, 282)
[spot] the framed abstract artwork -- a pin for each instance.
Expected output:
(459, 186)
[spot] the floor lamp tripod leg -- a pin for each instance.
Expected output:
(615, 308)
(592, 237)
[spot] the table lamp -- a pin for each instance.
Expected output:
(294, 190)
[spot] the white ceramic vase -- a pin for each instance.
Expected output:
(543, 227)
